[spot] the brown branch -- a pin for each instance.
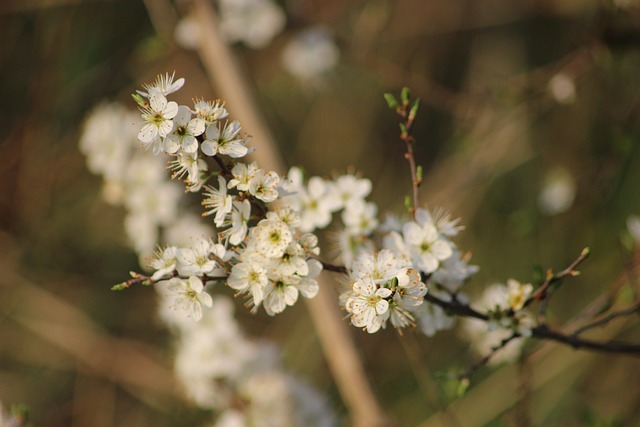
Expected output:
(334, 268)
(137, 279)
(618, 347)
(541, 331)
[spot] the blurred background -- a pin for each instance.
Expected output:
(528, 131)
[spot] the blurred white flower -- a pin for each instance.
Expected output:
(432, 318)
(633, 225)
(558, 192)
(484, 337)
(186, 229)
(562, 88)
(310, 54)
(252, 22)
(107, 139)
(517, 293)
(187, 34)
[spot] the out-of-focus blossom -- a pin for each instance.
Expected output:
(558, 192)
(310, 54)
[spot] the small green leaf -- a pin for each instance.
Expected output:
(119, 287)
(391, 101)
(414, 109)
(407, 202)
(139, 99)
(403, 128)
(405, 94)
(419, 173)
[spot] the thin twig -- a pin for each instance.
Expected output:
(541, 292)
(606, 319)
(487, 357)
(408, 113)
(543, 331)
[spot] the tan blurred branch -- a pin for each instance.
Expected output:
(63, 325)
(337, 345)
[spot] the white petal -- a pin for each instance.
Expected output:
(170, 110)
(189, 144)
(290, 294)
(183, 116)
(148, 133)
(308, 288)
(170, 145)
(382, 306)
(441, 249)
(234, 149)
(196, 127)
(157, 101)
(206, 300)
(209, 147)
(165, 128)
(195, 284)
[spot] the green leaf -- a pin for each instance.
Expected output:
(414, 109)
(405, 95)
(139, 99)
(391, 101)
(407, 202)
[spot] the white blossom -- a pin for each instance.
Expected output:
(426, 246)
(184, 132)
(107, 140)
(249, 277)
(239, 216)
(310, 54)
(252, 22)
(164, 262)
(264, 185)
(157, 117)
(368, 305)
(187, 296)
(270, 238)
(359, 217)
(164, 85)
(196, 260)
(209, 111)
(217, 201)
(224, 139)
(517, 293)
(242, 175)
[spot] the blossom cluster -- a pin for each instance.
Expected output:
(221, 369)
(217, 365)
(505, 305)
(391, 263)
(263, 251)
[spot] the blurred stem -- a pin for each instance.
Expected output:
(339, 350)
